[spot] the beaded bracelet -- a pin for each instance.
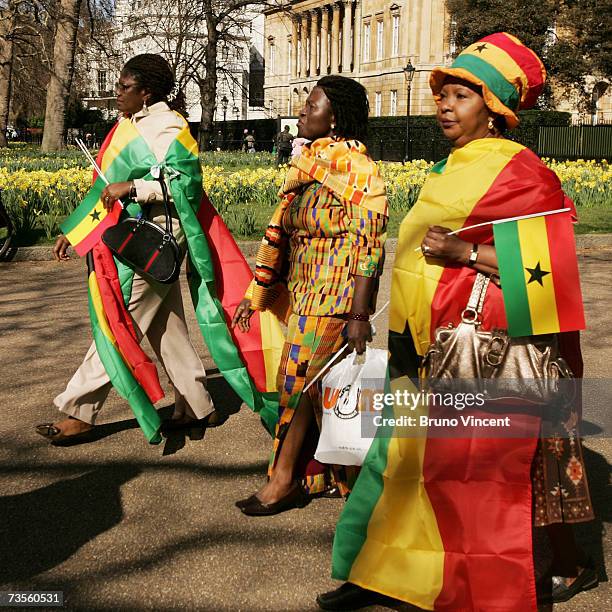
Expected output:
(357, 316)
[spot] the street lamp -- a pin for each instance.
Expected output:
(224, 103)
(409, 71)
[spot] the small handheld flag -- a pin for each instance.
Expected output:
(538, 268)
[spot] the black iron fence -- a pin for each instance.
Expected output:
(387, 140)
(576, 142)
(562, 143)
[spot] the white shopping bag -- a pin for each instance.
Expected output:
(345, 398)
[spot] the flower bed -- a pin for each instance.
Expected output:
(39, 191)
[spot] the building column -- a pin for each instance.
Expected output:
(304, 41)
(347, 51)
(335, 38)
(314, 31)
(357, 26)
(323, 63)
(294, 48)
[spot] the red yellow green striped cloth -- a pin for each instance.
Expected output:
(436, 521)
(219, 276)
(510, 74)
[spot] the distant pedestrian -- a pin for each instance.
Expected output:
(249, 141)
(219, 141)
(284, 140)
(244, 140)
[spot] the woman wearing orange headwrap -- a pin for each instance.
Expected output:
(445, 523)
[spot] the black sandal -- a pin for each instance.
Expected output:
(587, 579)
(214, 419)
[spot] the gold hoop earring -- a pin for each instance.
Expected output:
(491, 125)
(145, 108)
(333, 127)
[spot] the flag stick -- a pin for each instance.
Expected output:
(331, 361)
(531, 216)
(95, 166)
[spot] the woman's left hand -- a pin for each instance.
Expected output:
(113, 192)
(438, 243)
(358, 333)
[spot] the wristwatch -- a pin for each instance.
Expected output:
(473, 258)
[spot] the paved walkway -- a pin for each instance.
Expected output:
(118, 524)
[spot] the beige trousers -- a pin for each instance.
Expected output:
(157, 311)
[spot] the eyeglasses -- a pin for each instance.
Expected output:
(121, 88)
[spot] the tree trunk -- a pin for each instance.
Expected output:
(58, 91)
(7, 25)
(208, 91)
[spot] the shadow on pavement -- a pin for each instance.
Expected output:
(42, 528)
(590, 535)
(227, 402)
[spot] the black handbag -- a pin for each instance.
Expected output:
(146, 247)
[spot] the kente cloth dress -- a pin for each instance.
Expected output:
(329, 228)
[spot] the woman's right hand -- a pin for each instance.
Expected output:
(242, 316)
(60, 249)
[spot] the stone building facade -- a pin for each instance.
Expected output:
(154, 26)
(368, 40)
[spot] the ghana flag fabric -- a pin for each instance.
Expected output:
(435, 521)
(511, 75)
(139, 391)
(218, 277)
(538, 268)
(120, 160)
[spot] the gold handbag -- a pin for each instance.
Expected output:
(490, 362)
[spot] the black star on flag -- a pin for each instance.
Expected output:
(95, 215)
(481, 48)
(536, 274)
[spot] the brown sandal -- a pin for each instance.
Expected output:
(55, 435)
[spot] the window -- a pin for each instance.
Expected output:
(366, 42)
(380, 43)
(396, 35)
(452, 44)
(272, 57)
(289, 55)
(378, 104)
(393, 102)
(299, 56)
(102, 81)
